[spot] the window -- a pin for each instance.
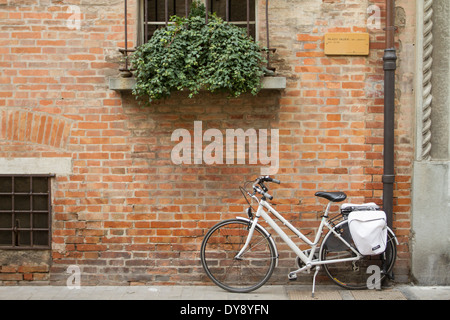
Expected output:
(156, 13)
(25, 211)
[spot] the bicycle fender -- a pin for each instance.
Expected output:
(266, 233)
(392, 234)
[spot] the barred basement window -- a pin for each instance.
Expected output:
(25, 211)
(156, 13)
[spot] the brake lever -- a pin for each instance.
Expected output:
(263, 193)
(263, 186)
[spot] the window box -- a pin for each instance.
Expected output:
(156, 13)
(127, 84)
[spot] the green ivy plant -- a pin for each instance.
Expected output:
(191, 55)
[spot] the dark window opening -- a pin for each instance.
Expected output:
(235, 11)
(25, 211)
(157, 13)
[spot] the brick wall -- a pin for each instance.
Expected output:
(127, 214)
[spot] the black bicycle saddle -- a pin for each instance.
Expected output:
(332, 196)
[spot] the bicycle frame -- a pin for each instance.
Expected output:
(308, 260)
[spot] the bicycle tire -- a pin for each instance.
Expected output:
(355, 275)
(220, 246)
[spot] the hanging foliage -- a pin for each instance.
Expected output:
(191, 55)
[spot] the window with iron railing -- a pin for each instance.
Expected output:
(154, 14)
(25, 212)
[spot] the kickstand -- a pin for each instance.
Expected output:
(314, 280)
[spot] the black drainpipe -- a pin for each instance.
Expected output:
(390, 65)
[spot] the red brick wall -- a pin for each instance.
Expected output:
(127, 214)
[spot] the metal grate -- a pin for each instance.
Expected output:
(158, 12)
(25, 211)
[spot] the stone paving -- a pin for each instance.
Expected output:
(269, 292)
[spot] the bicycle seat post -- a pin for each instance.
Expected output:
(327, 209)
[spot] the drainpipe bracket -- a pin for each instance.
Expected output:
(390, 59)
(388, 178)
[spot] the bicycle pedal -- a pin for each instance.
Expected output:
(292, 276)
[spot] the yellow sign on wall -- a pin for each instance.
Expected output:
(353, 44)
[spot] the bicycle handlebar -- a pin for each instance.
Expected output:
(260, 181)
(268, 179)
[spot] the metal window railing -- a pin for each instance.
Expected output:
(149, 22)
(237, 12)
(25, 211)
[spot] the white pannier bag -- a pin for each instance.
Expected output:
(369, 231)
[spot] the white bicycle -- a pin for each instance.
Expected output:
(239, 255)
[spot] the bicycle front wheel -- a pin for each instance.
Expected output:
(360, 274)
(218, 256)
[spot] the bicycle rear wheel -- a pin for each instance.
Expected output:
(218, 256)
(356, 274)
